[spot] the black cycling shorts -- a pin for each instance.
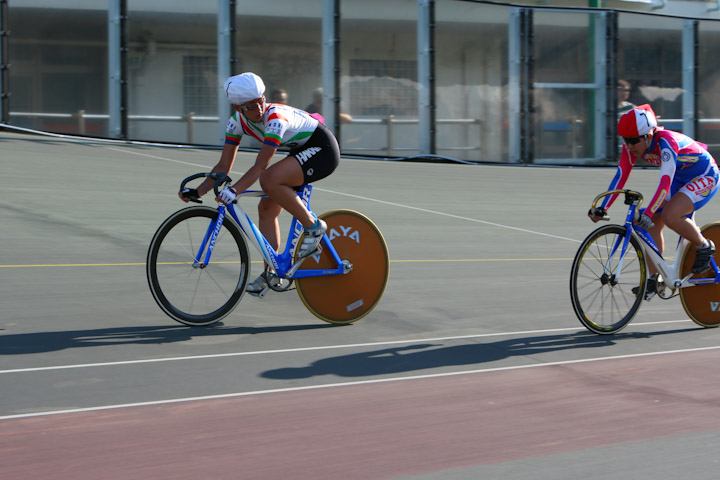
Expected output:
(320, 155)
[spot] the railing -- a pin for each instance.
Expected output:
(390, 121)
(81, 116)
(676, 124)
(574, 125)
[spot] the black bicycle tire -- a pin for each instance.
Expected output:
(151, 268)
(577, 302)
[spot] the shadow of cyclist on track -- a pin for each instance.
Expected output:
(427, 356)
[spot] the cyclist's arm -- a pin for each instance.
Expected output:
(277, 124)
(227, 158)
(233, 136)
(667, 173)
(625, 166)
(261, 163)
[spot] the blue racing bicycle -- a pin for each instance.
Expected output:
(609, 274)
(198, 262)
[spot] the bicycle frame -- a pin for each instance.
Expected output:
(670, 272)
(282, 263)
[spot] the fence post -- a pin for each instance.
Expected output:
(483, 139)
(80, 117)
(190, 119)
(427, 127)
(117, 68)
(4, 64)
(390, 133)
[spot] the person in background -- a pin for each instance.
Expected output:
(317, 106)
(279, 95)
(623, 93)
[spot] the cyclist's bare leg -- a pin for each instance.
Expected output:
(674, 215)
(268, 213)
(279, 180)
(656, 232)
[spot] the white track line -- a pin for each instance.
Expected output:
(400, 205)
(424, 210)
(361, 382)
(309, 349)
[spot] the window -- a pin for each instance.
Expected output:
(383, 87)
(199, 85)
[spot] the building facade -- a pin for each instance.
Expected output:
(530, 82)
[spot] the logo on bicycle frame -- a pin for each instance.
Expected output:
(298, 226)
(642, 233)
(299, 229)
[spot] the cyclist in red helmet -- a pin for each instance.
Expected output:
(688, 180)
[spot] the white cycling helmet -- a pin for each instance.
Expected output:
(243, 88)
(637, 122)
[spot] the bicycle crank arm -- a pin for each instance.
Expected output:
(262, 293)
(295, 267)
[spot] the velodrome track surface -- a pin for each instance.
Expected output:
(472, 366)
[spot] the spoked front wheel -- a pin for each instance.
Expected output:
(190, 291)
(702, 302)
(602, 280)
(342, 299)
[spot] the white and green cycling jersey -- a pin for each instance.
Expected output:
(281, 126)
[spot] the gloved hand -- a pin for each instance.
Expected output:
(190, 194)
(598, 212)
(228, 195)
(643, 220)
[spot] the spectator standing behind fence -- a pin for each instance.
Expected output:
(279, 95)
(317, 106)
(623, 93)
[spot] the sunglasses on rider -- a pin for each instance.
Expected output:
(632, 140)
(255, 106)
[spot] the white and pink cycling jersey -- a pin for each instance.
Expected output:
(685, 164)
(281, 126)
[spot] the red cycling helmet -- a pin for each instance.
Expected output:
(637, 122)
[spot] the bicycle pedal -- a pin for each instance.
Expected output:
(261, 293)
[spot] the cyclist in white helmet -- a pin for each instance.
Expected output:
(314, 154)
(688, 180)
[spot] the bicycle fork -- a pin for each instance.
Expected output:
(208, 242)
(612, 275)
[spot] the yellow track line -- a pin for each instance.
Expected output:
(257, 261)
(481, 260)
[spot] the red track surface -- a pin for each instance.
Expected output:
(380, 430)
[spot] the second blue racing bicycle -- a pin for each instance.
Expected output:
(608, 279)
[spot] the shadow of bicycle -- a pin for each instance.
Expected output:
(39, 342)
(428, 356)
